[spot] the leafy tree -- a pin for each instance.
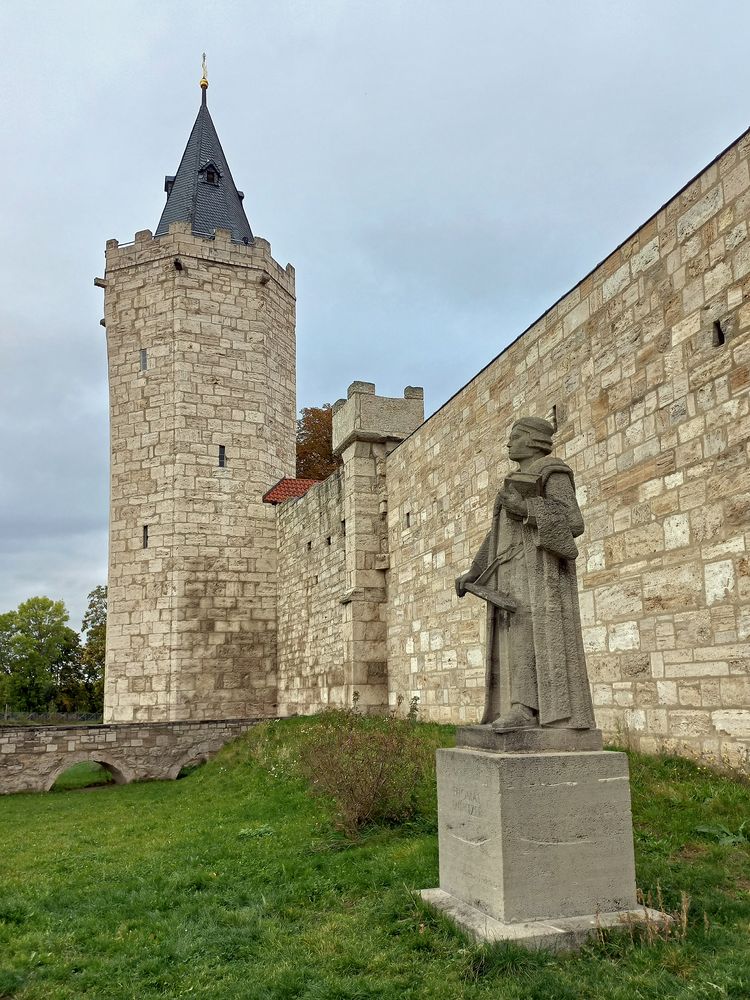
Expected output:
(315, 458)
(34, 639)
(71, 694)
(4, 693)
(12, 649)
(7, 653)
(42, 662)
(94, 624)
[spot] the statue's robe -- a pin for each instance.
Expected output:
(535, 655)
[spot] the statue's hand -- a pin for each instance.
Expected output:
(513, 502)
(460, 584)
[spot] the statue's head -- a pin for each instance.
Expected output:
(529, 437)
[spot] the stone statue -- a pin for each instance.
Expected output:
(525, 571)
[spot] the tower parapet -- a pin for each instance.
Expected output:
(363, 416)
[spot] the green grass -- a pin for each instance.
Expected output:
(232, 883)
(87, 774)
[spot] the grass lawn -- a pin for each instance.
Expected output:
(232, 883)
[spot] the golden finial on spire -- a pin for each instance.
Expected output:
(204, 78)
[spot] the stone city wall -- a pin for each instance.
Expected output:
(201, 347)
(310, 586)
(333, 560)
(645, 366)
(33, 757)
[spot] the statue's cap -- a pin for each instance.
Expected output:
(540, 431)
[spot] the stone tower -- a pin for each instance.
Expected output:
(200, 324)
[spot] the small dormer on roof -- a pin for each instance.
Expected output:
(202, 192)
(209, 173)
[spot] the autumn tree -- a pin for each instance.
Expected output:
(315, 458)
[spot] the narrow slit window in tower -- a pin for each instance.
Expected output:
(343, 527)
(144, 359)
(328, 540)
(145, 536)
(222, 456)
(407, 519)
(309, 546)
(719, 337)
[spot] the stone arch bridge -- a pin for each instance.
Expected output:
(33, 757)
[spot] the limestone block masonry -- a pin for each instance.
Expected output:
(333, 561)
(33, 757)
(201, 348)
(312, 560)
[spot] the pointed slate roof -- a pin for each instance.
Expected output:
(202, 191)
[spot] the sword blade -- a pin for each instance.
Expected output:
(492, 596)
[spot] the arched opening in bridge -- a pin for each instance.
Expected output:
(190, 766)
(85, 772)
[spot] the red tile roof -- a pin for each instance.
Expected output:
(288, 489)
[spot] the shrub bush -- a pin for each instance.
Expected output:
(371, 767)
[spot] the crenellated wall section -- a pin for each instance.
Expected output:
(644, 367)
(333, 561)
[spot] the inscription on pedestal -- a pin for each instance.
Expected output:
(467, 801)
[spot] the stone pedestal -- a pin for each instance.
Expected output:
(534, 847)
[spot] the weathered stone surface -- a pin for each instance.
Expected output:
(525, 573)
(364, 416)
(333, 562)
(191, 629)
(33, 757)
(527, 837)
(562, 934)
(535, 740)
(312, 568)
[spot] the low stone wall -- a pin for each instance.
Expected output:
(33, 757)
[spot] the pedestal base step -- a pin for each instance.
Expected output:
(536, 740)
(565, 934)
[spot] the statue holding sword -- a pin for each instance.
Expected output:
(525, 571)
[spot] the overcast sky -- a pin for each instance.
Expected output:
(438, 173)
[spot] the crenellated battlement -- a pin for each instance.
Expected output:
(180, 242)
(364, 416)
